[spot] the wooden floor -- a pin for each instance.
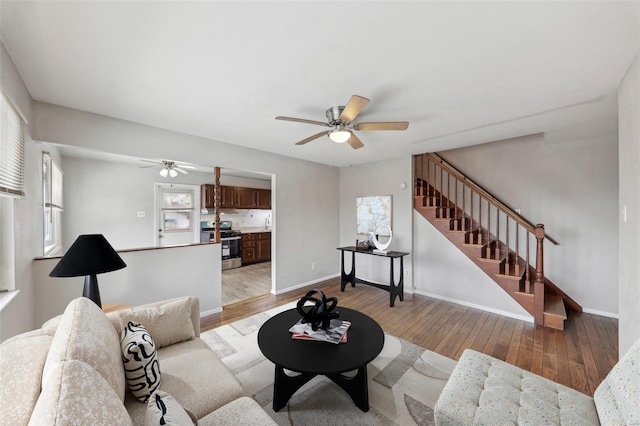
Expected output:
(579, 357)
(246, 282)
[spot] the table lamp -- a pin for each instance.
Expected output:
(89, 255)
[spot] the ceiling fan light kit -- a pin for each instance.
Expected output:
(341, 120)
(339, 135)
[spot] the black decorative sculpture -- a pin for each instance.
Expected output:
(320, 313)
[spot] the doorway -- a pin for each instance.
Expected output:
(177, 218)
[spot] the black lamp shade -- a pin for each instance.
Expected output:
(89, 255)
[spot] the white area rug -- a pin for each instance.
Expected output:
(404, 380)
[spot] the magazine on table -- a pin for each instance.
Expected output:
(335, 333)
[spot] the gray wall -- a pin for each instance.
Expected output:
(571, 186)
(629, 230)
(380, 178)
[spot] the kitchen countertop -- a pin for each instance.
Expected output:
(252, 229)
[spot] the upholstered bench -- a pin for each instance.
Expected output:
(483, 390)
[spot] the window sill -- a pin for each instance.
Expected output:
(7, 297)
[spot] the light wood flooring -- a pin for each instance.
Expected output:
(579, 357)
(246, 282)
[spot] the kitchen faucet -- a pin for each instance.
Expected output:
(267, 222)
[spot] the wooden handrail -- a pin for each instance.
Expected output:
(506, 209)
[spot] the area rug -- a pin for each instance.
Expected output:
(404, 380)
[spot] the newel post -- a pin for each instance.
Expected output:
(538, 289)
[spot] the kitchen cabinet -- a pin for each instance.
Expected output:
(246, 198)
(235, 197)
(228, 199)
(256, 247)
(264, 247)
(263, 198)
(208, 196)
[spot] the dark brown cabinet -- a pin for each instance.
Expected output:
(263, 198)
(208, 196)
(256, 247)
(228, 199)
(246, 198)
(264, 247)
(234, 197)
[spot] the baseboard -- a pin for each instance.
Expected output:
(308, 283)
(600, 313)
(210, 312)
(474, 306)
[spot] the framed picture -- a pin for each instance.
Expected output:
(177, 220)
(177, 200)
(371, 212)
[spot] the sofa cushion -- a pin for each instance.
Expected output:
(163, 409)
(617, 397)
(167, 323)
(75, 393)
(141, 367)
(195, 377)
(485, 390)
(240, 411)
(21, 363)
(84, 333)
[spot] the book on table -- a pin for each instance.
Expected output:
(335, 333)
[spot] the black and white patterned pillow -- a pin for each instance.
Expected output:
(141, 367)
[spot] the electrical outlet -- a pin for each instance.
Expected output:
(141, 214)
(406, 273)
(313, 265)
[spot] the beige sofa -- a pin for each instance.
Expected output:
(71, 371)
(483, 390)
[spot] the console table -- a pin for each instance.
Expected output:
(395, 290)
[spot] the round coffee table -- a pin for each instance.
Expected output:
(365, 339)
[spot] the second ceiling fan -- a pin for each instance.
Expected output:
(340, 119)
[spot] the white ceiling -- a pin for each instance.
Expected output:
(460, 72)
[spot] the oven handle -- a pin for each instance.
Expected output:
(230, 238)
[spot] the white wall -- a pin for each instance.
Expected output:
(571, 186)
(150, 275)
(629, 230)
(304, 193)
(380, 178)
(18, 316)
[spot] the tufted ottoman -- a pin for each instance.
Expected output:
(483, 390)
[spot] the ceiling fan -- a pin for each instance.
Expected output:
(170, 168)
(341, 121)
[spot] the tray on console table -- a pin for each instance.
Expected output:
(394, 289)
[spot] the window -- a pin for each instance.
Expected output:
(11, 184)
(52, 203)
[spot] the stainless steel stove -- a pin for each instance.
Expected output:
(230, 240)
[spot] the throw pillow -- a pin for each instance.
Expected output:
(168, 323)
(141, 367)
(163, 409)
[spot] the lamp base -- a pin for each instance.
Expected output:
(91, 290)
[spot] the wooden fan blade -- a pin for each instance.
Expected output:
(355, 142)
(302, 120)
(353, 108)
(310, 138)
(381, 125)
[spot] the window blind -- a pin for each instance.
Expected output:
(11, 149)
(52, 182)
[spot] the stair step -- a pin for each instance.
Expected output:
(554, 311)
(489, 260)
(509, 277)
(554, 305)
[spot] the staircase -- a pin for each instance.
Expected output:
(502, 243)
